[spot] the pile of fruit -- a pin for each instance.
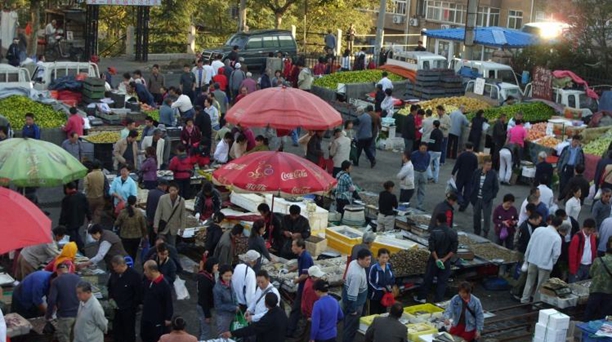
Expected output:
(15, 107)
(550, 142)
(108, 137)
(451, 104)
(532, 112)
(598, 146)
(154, 113)
(537, 131)
(363, 76)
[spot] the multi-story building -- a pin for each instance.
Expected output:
(413, 16)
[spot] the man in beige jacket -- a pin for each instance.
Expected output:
(94, 191)
(171, 209)
(125, 156)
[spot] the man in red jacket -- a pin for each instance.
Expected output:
(582, 251)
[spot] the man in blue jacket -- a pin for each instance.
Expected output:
(485, 186)
(144, 96)
(464, 168)
(466, 312)
(28, 295)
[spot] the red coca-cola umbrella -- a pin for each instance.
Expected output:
(276, 173)
(284, 108)
(23, 223)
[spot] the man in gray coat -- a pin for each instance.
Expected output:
(90, 325)
(171, 210)
(388, 329)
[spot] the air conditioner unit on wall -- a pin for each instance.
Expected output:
(414, 22)
(398, 19)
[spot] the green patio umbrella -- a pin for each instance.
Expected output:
(37, 163)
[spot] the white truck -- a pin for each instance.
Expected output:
(471, 70)
(494, 93)
(44, 74)
(417, 60)
(11, 77)
(574, 100)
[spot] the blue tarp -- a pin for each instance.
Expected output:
(605, 101)
(489, 36)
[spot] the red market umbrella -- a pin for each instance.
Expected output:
(23, 223)
(284, 108)
(276, 173)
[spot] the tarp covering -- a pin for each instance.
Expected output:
(489, 36)
(576, 79)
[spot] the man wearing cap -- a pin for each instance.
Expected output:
(258, 308)
(236, 78)
(326, 314)
(156, 141)
(309, 296)
(63, 297)
(244, 280)
(298, 247)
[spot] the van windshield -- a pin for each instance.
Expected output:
(439, 64)
(507, 76)
(237, 39)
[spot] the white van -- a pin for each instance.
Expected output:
(491, 70)
(494, 93)
(55, 70)
(417, 60)
(11, 77)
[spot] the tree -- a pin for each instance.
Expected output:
(278, 7)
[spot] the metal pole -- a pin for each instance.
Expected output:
(380, 28)
(470, 24)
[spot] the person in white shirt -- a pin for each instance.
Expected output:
(546, 196)
(40, 68)
(210, 72)
(212, 112)
(159, 142)
(385, 81)
(573, 206)
(183, 102)
(223, 147)
(406, 177)
(258, 308)
(244, 280)
(388, 104)
(216, 64)
(339, 149)
(50, 31)
(542, 252)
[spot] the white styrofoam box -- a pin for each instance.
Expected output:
(318, 219)
(248, 202)
(528, 172)
(560, 303)
(554, 319)
(549, 335)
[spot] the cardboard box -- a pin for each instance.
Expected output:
(545, 334)
(554, 319)
(316, 245)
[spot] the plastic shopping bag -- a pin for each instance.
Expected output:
(239, 322)
(181, 290)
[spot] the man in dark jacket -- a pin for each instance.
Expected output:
(202, 121)
(272, 327)
(62, 296)
(464, 168)
(499, 139)
(165, 264)
(157, 307)
(579, 181)
(447, 208)
(388, 329)
(571, 157)
(294, 226)
(378, 98)
(173, 252)
(409, 129)
(484, 190)
(125, 288)
(152, 201)
(443, 243)
(13, 52)
(75, 209)
(143, 93)
(544, 170)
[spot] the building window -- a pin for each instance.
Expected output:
(487, 16)
(515, 19)
(399, 7)
(420, 10)
(540, 16)
(445, 12)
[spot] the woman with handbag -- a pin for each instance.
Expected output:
(190, 135)
(381, 281)
(505, 219)
(132, 227)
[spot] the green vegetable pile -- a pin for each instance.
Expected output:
(598, 146)
(154, 114)
(363, 76)
(532, 112)
(15, 107)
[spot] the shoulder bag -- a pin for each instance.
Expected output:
(163, 223)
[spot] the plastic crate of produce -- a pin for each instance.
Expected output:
(366, 321)
(418, 329)
(392, 244)
(423, 311)
(344, 234)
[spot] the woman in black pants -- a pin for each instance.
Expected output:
(132, 226)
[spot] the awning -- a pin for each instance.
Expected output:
(488, 36)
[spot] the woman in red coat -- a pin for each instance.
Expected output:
(190, 135)
(182, 168)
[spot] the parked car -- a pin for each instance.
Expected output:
(256, 45)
